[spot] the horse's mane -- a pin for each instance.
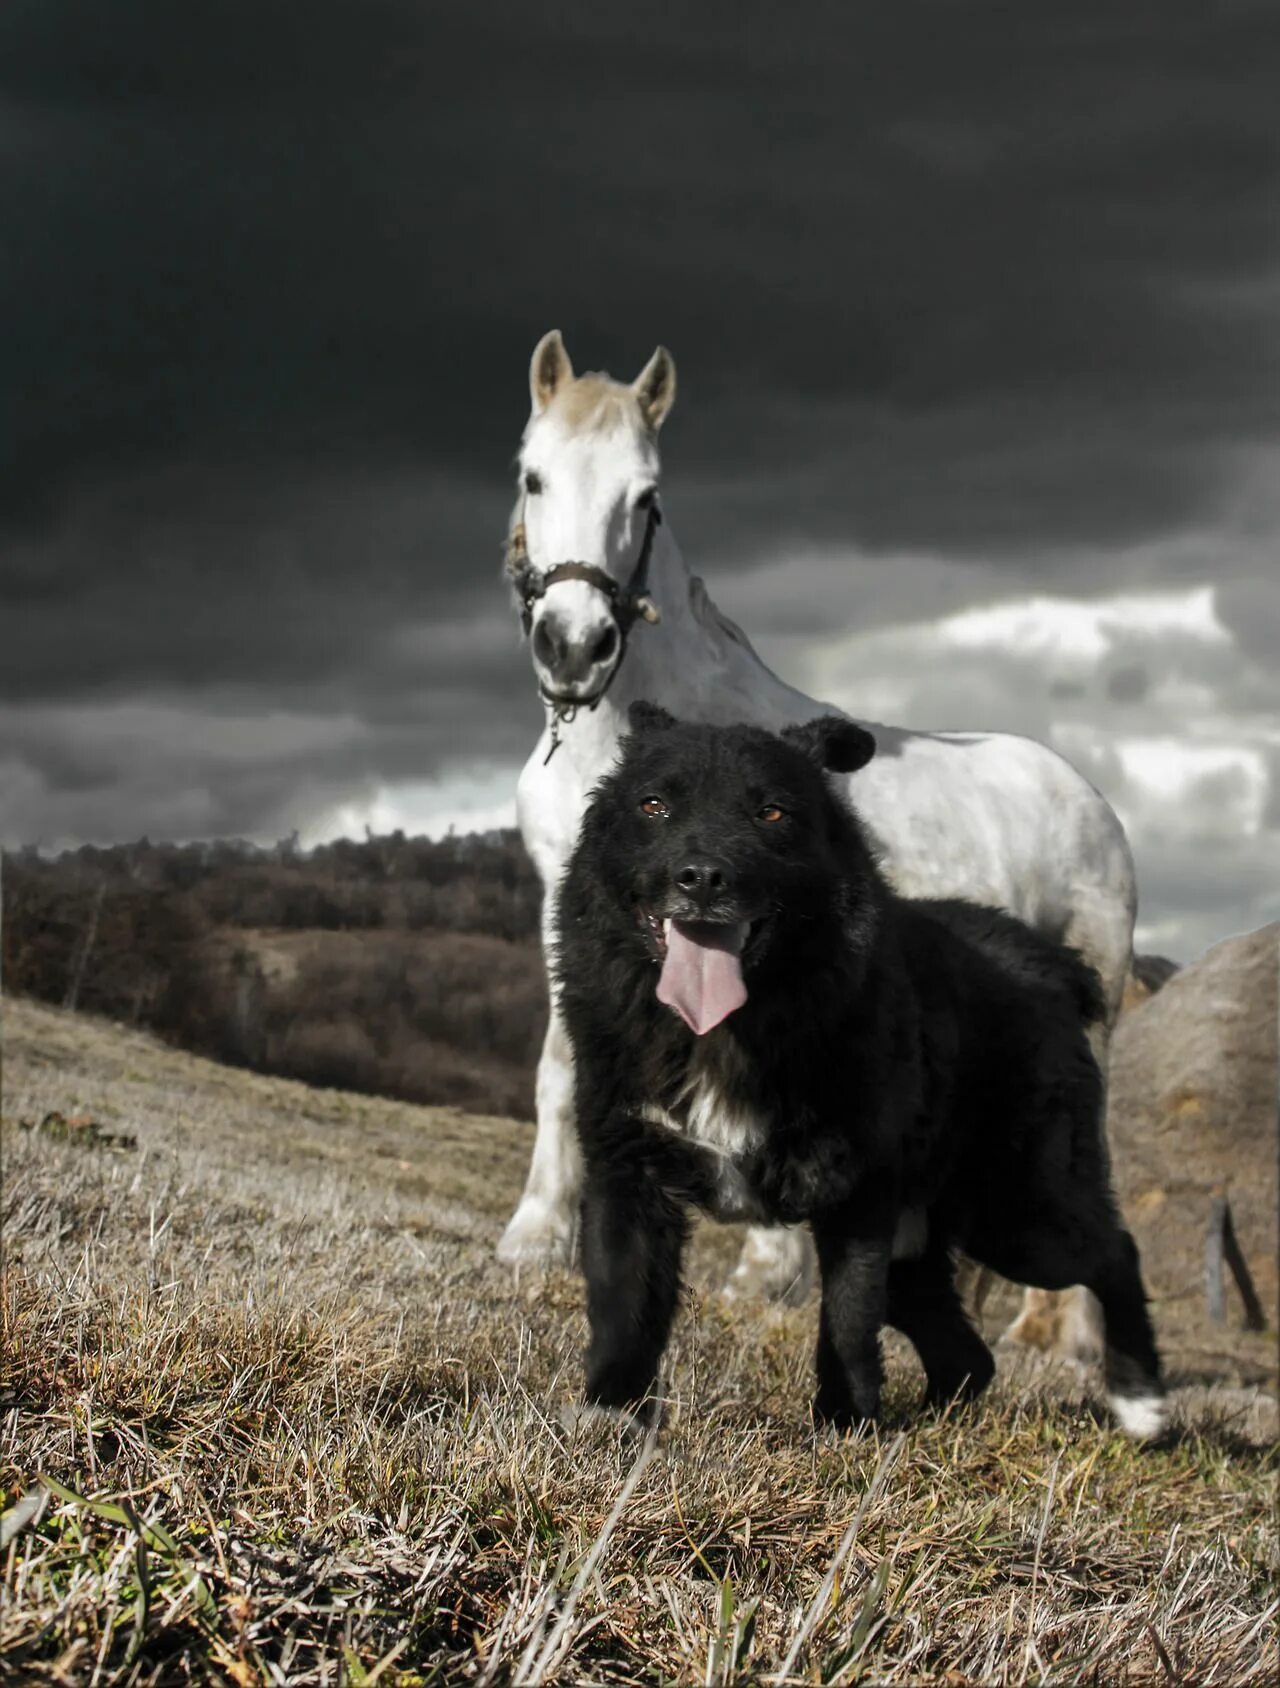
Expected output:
(715, 620)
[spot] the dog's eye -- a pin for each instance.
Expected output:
(655, 807)
(532, 483)
(771, 812)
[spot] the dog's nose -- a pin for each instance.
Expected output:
(702, 879)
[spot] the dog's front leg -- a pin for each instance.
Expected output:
(854, 1251)
(632, 1240)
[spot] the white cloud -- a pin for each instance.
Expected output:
(1085, 632)
(1170, 772)
(1188, 770)
(476, 801)
(1187, 755)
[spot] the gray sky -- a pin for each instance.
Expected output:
(975, 310)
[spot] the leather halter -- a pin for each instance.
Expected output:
(627, 604)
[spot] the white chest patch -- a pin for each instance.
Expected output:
(704, 1115)
(711, 1119)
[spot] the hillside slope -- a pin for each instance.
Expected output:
(271, 1412)
(397, 967)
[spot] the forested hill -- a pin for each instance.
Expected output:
(403, 966)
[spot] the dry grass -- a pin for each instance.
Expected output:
(280, 1418)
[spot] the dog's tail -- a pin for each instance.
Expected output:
(1085, 985)
(1023, 951)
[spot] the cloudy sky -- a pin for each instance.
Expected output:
(976, 314)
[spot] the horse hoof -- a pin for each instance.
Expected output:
(1066, 1324)
(774, 1266)
(537, 1236)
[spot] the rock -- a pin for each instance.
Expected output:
(1193, 1115)
(84, 1130)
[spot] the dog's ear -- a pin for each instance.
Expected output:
(839, 746)
(646, 717)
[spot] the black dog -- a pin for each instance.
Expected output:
(763, 1028)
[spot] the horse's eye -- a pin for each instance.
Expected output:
(646, 498)
(532, 483)
(655, 807)
(770, 813)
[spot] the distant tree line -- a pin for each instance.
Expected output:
(398, 966)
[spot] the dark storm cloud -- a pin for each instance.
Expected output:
(980, 282)
(1251, 609)
(267, 576)
(273, 230)
(1240, 897)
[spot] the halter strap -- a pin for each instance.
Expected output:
(628, 605)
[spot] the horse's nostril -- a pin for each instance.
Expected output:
(689, 878)
(605, 645)
(545, 646)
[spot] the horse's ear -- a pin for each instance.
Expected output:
(549, 370)
(839, 746)
(644, 717)
(655, 388)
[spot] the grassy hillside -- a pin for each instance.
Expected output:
(397, 967)
(271, 1413)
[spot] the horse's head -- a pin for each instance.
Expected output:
(585, 517)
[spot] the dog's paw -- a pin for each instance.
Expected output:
(831, 1432)
(1144, 1417)
(630, 1423)
(835, 1416)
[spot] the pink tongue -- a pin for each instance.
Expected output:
(702, 976)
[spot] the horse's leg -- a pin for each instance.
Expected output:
(1068, 1323)
(776, 1264)
(544, 1228)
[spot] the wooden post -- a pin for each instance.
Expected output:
(1254, 1318)
(1214, 1288)
(1222, 1244)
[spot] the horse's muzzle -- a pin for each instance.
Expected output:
(574, 666)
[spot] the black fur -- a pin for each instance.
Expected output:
(900, 1057)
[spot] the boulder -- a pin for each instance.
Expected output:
(1193, 1116)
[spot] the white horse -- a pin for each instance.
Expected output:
(613, 615)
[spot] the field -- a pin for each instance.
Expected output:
(270, 1412)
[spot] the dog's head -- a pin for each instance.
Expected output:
(727, 846)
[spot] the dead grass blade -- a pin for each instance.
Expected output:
(821, 1599)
